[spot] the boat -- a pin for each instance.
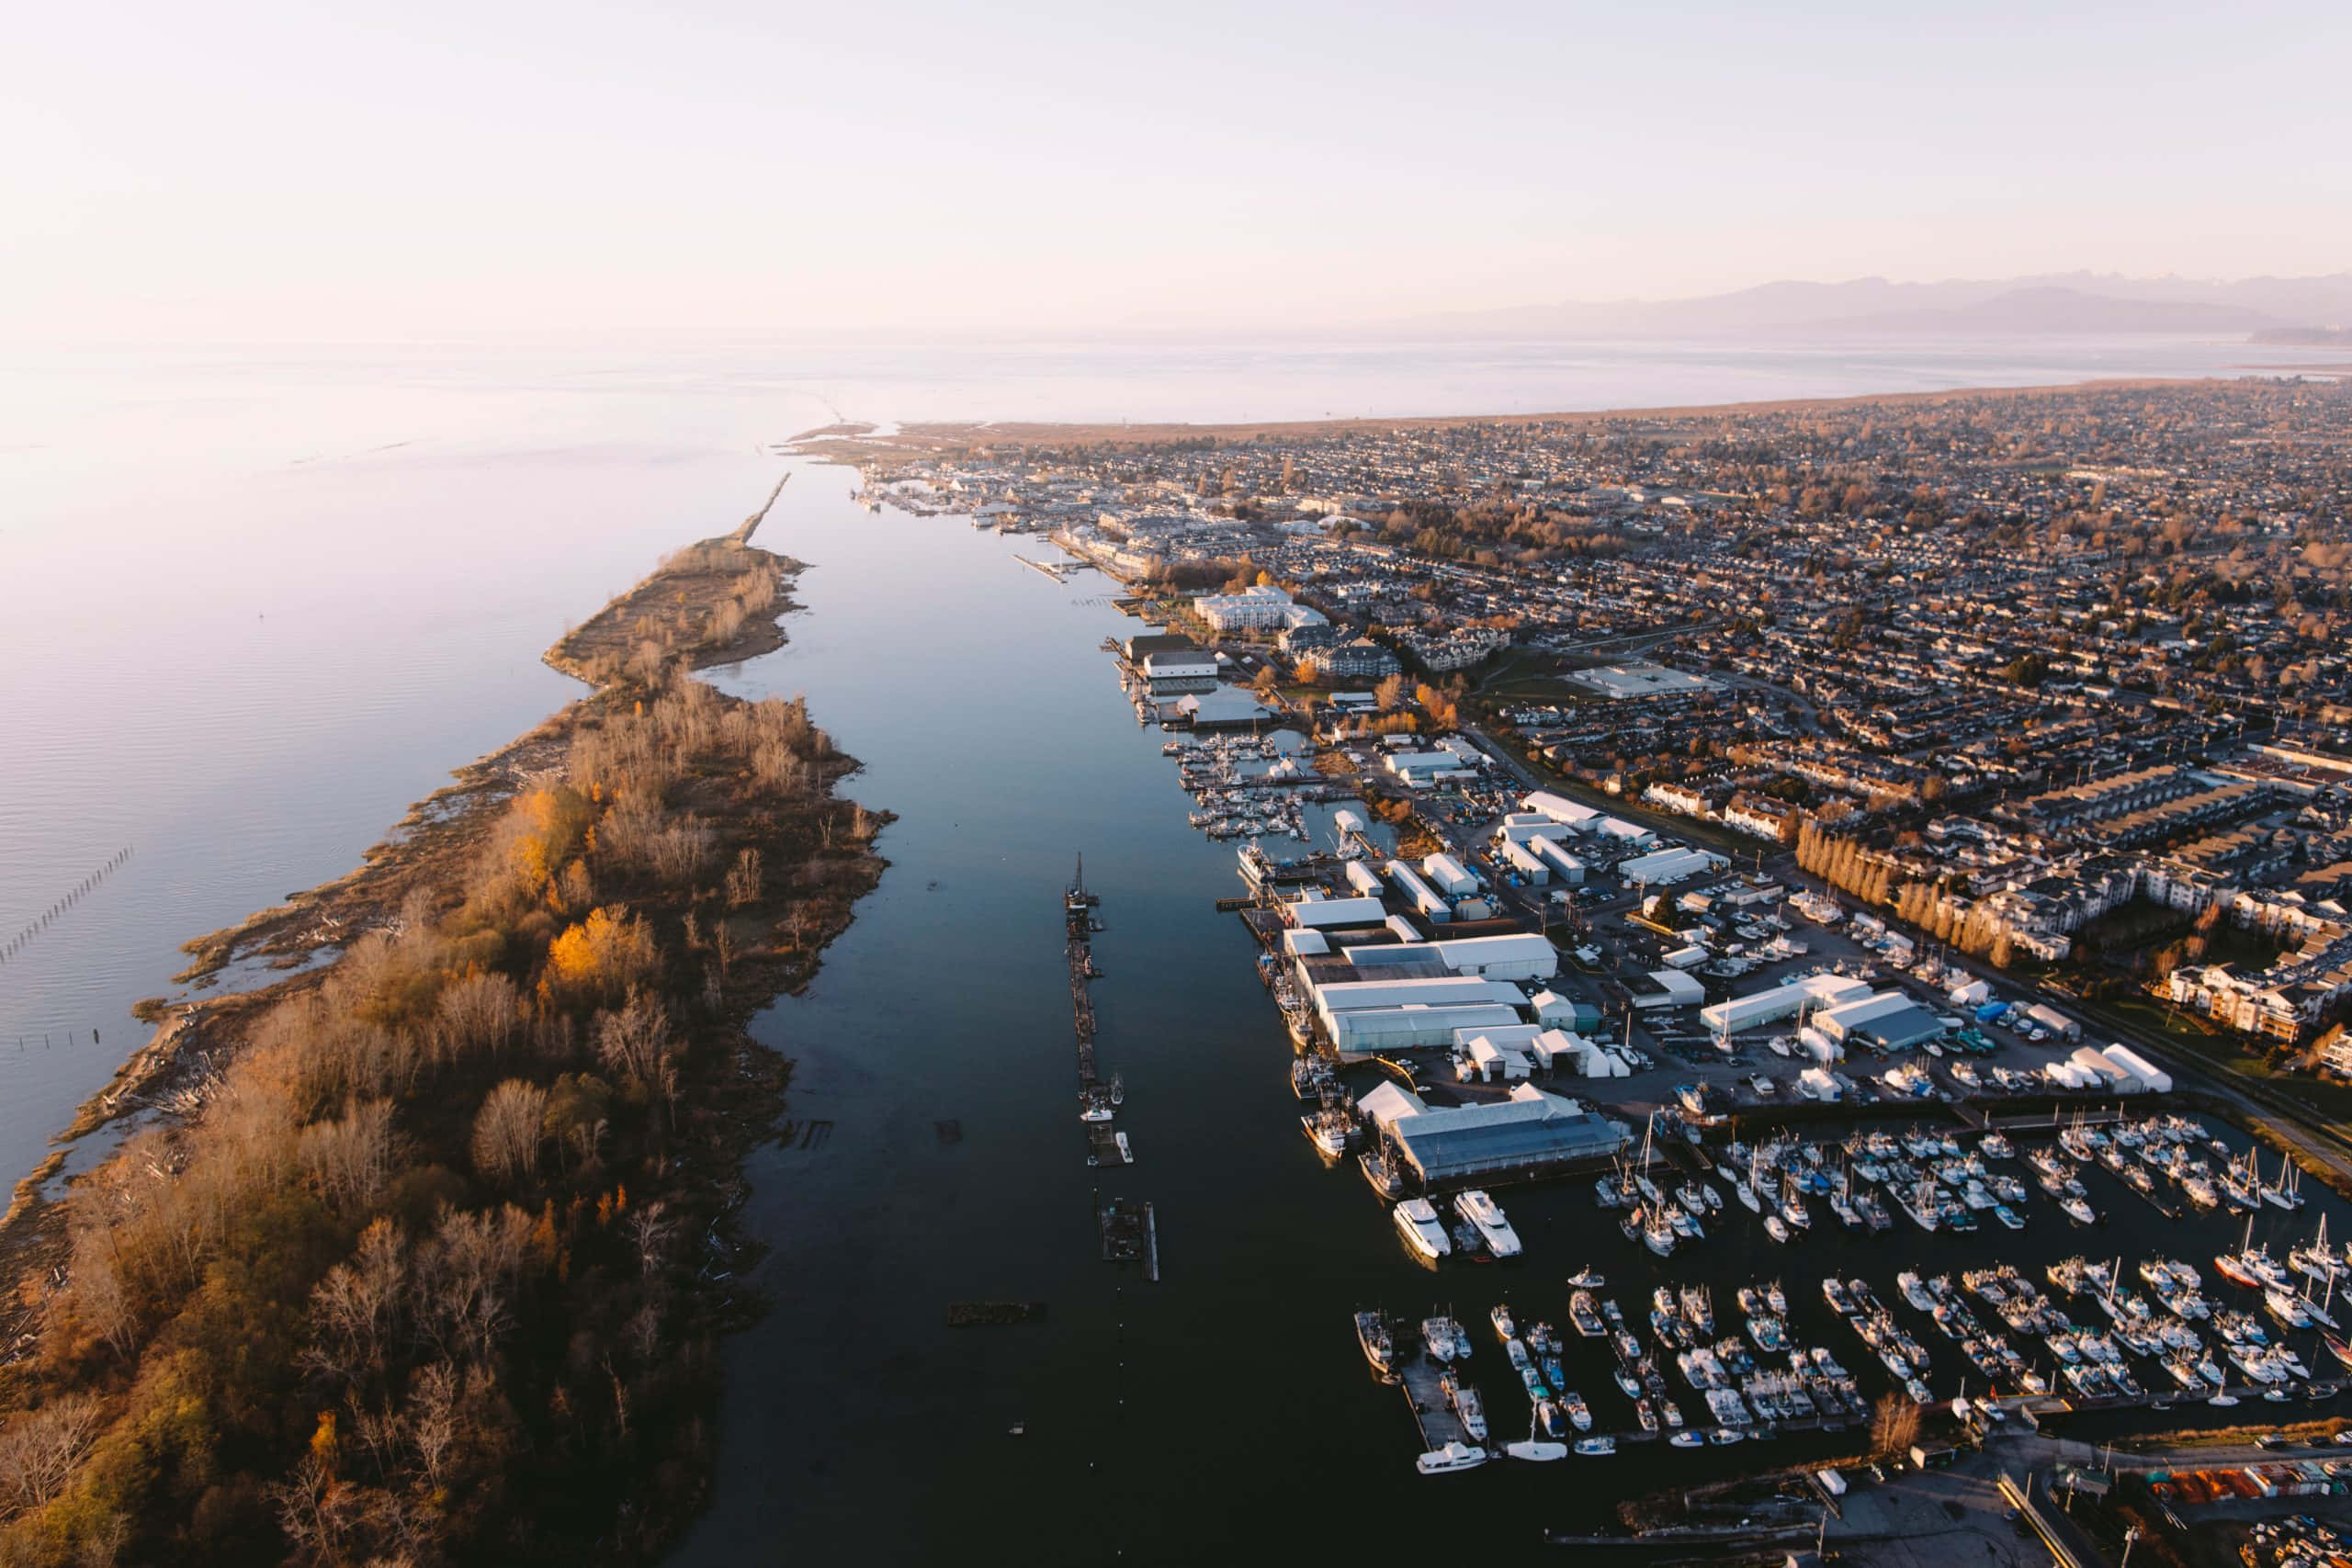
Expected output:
(1777, 1228)
(1453, 1456)
(1579, 1413)
(1487, 1214)
(1379, 1347)
(1417, 1223)
(1993, 1145)
(1535, 1449)
(1592, 1447)
(1383, 1176)
(2287, 1191)
(1581, 1314)
(1685, 1439)
(1833, 1290)
(2079, 1211)
(1506, 1329)
(1586, 1280)
(1330, 1129)
(1468, 1408)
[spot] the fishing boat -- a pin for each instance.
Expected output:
(1581, 1314)
(1381, 1173)
(1379, 1348)
(1330, 1129)
(1506, 1330)
(1468, 1408)
(1833, 1290)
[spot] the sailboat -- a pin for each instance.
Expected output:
(2287, 1192)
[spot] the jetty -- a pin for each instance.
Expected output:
(1098, 1101)
(1420, 1379)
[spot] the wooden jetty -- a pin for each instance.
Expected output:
(1419, 1379)
(1095, 1097)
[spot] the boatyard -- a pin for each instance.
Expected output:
(1447, 1030)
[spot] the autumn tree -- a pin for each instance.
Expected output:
(507, 1131)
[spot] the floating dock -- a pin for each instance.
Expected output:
(1420, 1377)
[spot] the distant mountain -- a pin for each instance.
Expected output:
(2059, 310)
(2308, 337)
(2062, 303)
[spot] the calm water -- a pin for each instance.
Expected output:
(1229, 1403)
(258, 603)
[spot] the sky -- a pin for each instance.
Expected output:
(253, 169)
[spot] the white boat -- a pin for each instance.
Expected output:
(1594, 1446)
(1453, 1456)
(1535, 1451)
(1777, 1228)
(1487, 1214)
(1586, 1280)
(1685, 1439)
(1424, 1232)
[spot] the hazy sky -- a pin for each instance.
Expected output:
(249, 168)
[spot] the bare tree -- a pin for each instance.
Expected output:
(350, 1160)
(355, 1310)
(634, 1041)
(39, 1449)
(652, 1232)
(507, 1131)
(744, 882)
(432, 1422)
(478, 1012)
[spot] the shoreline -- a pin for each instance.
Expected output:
(718, 602)
(837, 444)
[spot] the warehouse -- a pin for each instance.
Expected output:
(1530, 868)
(1410, 960)
(1364, 880)
(1530, 1133)
(1759, 1008)
(1375, 1031)
(1518, 956)
(2056, 1023)
(1667, 867)
(1449, 876)
(2156, 1078)
(1570, 868)
(1521, 826)
(1665, 988)
(1315, 912)
(1407, 882)
(1888, 1020)
(1567, 813)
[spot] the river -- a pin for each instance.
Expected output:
(260, 602)
(935, 1156)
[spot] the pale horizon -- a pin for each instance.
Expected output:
(262, 173)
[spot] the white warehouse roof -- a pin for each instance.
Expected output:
(1322, 913)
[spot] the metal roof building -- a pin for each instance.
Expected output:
(1890, 1020)
(1528, 1135)
(1368, 1032)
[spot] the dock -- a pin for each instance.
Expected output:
(1439, 1425)
(1098, 1100)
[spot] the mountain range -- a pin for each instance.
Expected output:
(2058, 304)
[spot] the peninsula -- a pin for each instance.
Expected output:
(419, 1252)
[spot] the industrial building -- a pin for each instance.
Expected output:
(1449, 876)
(1531, 869)
(1562, 810)
(1530, 1133)
(1365, 1017)
(1667, 867)
(1171, 674)
(1424, 898)
(1570, 869)
(1317, 913)
(1774, 1003)
(1888, 1020)
(1664, 989)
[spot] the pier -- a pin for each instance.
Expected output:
(1439, 1425)
(1098, 1101)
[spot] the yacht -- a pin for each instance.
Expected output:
(1417, 1223)
(1536, 1451)
(1379, 1348)
(1487, 1214)
(1453, 1456)
(2287, 1191)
